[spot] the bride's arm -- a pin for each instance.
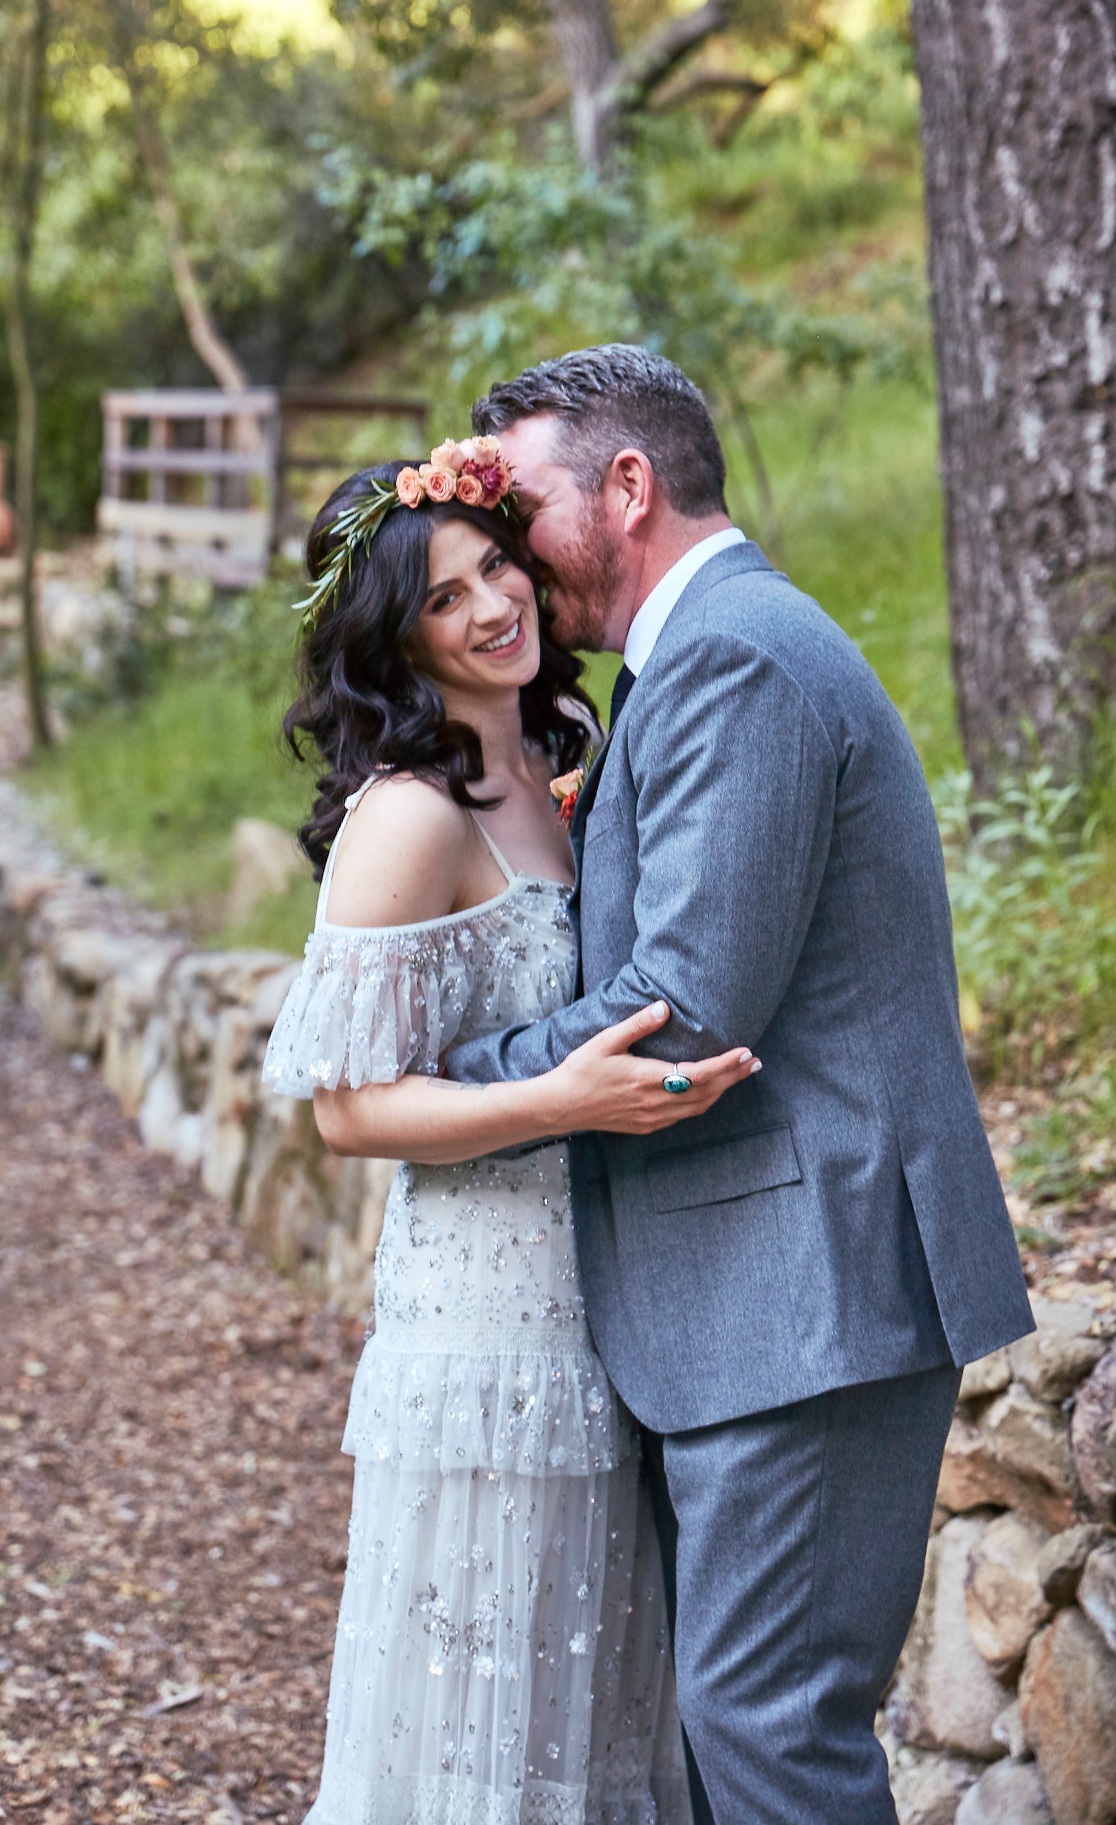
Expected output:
(599, 1086)
(403, 859)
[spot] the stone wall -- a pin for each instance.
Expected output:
(1003, 1711)
(179, 1035)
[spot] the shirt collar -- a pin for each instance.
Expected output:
(650, 617)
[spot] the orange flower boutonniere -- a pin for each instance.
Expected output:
(566, 789)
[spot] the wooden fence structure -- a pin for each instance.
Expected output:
(195, 481)
(188, 482)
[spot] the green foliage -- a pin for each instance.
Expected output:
(526, 256)
(150, 786)
(1069, 1150)
(1034, 932)
(274, 263)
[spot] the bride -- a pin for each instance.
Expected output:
(502, 1653)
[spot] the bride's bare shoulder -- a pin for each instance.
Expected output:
(401, 857)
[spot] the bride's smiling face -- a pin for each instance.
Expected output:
(479, 627)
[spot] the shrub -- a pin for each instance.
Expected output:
(1034, 929)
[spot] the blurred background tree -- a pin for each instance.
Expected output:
(21, 174)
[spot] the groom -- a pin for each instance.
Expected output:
(783, 1288)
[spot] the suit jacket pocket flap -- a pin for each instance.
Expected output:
(720, 1171)
(603, 814)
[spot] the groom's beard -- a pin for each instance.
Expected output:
(584, 581)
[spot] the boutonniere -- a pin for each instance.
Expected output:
(566, 789)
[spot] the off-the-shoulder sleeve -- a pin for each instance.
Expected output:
(368, 1006)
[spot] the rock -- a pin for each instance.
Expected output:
(989, 1375)
(1097, 1592)
(266, 860)
(87, 956)
(945, 1695)
(973, 1477)
(54, 1002)
(1030, 1438)
(270, 994)
(1004, 1601)
(26, 894)
(1093, 1437)
(927, 1786)
(1062, 1560)
(1011, 1793)
(1008, 1729)
(1053, 1360)
(161, 1103)
(128, 1001)
(1068, 1698)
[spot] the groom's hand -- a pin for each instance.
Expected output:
(601, 1086)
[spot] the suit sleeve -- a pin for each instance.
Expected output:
(735, 783)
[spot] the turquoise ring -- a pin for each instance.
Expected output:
(677, 1083)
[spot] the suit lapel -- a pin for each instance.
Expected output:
(577, 843)
(737, 558)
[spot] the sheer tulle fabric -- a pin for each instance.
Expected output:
(501, 1654)
(368, 1005)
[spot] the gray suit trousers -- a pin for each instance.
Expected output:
(793, 1543)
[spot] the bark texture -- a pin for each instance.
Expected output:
(605, 85)
(23, 180)
(1019, 133)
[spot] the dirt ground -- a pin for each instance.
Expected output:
(173, 1503)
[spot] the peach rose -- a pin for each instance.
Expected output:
(409, 488)
(470, 490)
(484, 450)
(440, 484)
(566, 783)
(450, 455)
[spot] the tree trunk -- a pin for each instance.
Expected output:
(585, 37)
(207, 340)
(25, 179)
(209, 345)
(1019, 133)
(606, 86)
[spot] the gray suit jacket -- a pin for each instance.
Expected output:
(756, 845)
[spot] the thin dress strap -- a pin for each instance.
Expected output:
(351, 804)
(510, 874)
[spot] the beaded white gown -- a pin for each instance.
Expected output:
(501, 1654)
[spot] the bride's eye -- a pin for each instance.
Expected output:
(497, 561)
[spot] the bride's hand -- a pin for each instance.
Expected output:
(602, 1086)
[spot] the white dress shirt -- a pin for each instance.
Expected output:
(650, 617)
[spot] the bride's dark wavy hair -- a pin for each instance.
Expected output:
(364, 705)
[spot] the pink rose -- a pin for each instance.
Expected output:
(449, 455)
(409, 488)
(483, 450)
(470, 490)
(495, 478)
(440, 484)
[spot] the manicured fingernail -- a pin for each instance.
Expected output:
(660, 1010)
(745, 1056)
(756, 1066)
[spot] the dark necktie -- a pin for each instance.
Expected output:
(624, 682)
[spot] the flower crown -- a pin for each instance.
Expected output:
(473, 473)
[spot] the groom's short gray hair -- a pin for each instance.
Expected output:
(614, 397)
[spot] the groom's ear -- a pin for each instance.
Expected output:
(630, 480)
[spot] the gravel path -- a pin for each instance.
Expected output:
(173, 1504)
